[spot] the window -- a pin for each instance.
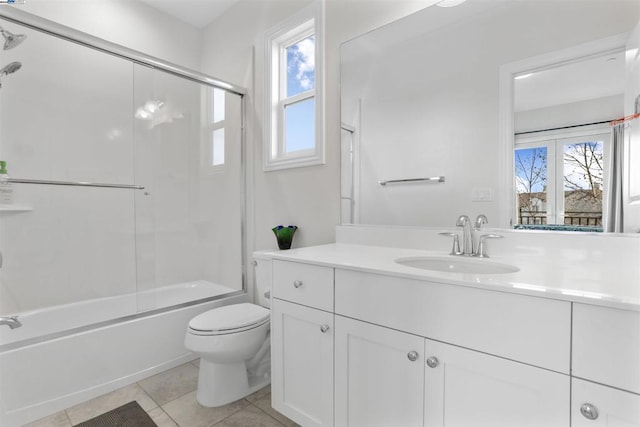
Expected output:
(561, 181)
(214, 145)
(293, 122)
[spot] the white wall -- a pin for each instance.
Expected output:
(591, 111)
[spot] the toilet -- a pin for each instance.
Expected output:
(233, 345)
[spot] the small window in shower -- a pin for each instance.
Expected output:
(218, 105)
(214, 151)
(293, 131)
(217, 159)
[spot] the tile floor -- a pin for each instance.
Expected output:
(170, 400)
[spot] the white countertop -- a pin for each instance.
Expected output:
(578, 280)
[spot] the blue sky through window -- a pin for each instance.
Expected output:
(299, 126)
(301, 66)
(300, 117)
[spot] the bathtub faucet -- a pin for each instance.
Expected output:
(12, 321)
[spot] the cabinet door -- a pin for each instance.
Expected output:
(302, 363)
(379, 376)
(594, 405)
(606, 346)
(466, 388)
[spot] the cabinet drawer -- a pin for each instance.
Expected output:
(606, 346)
(528, 329)
(306, 284)
(595, 405)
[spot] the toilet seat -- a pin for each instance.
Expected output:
(229, 319)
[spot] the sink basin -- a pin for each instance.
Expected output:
(458, 265)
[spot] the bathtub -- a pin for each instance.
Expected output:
(68, 354)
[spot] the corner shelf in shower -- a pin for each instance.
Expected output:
(15, 208)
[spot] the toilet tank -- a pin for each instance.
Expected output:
(262, 273)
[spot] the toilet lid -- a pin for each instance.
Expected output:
(230, 317)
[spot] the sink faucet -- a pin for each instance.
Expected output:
(12, 321)
(473, 241)
(467, 241)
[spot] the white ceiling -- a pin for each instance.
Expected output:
(198, 13)
(591, 78)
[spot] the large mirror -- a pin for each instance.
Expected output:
(480, 108)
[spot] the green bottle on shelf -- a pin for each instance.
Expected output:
(6, 188)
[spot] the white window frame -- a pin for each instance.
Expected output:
(307, 22)
(555, 142)
(208, 127)
(507, 125)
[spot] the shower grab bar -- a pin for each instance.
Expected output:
(394, 181)
(75, 183)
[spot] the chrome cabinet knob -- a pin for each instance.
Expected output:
(432, 362)
(589, 411)
(254, 263)
(267, 294)
(324, 328)
(412, 355)
(297, 284)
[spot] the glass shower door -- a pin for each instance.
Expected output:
(188, 218)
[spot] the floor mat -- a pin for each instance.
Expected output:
(129, 415)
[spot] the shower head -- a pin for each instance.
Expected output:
(10, 68)
(11, 40)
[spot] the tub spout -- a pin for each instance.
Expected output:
(12, 321)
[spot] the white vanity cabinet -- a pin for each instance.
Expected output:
(606, 367)
(384, 373)
(302, 343)
(364, 349)
(386, 378)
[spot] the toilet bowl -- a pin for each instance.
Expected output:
(233, 345)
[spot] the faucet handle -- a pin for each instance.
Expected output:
(480, 253)
(455, 249)
(480, 221)
(462, 221)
